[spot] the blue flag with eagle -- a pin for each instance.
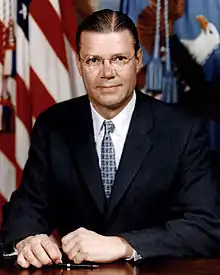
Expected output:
(194, 29)
(199, 29)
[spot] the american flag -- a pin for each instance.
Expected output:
(46, 73)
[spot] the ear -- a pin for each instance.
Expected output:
(79, 64)
(139, 63)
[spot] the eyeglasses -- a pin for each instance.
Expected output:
(118, 62)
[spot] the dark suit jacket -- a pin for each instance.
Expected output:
(203, 99)
(164, 201)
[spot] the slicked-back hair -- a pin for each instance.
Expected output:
(107, 21)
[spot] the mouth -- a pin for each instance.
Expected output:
(109, 87)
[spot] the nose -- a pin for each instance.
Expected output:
(107, 70)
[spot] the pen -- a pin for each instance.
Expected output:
(72, 266)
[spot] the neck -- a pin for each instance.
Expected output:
(109, 112)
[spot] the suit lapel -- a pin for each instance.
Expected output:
(87, 158)
(136, 148)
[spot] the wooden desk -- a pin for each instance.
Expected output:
(180, 267)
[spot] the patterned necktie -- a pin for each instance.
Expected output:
(108, 165)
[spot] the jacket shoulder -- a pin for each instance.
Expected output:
(64, 112)
(171, 115)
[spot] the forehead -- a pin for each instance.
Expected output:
(102, 44)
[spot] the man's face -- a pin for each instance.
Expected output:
(110, 84)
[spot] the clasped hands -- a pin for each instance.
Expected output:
(79, 245)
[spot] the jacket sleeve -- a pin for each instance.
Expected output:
(194, 229)
(27, 213)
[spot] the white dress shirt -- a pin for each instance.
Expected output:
(121, 123)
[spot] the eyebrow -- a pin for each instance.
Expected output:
(116, 54)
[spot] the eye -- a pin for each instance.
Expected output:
(210, 31)
(119, 59)
(92, 60)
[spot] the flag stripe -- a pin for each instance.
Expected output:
(47, 66)
(56, 6)
(7, 146)
(41, 98)
(69, 22)
(8, 172)
(21, 143)
(22, 49)
(47, 21)
(75, 79)
(23, 103)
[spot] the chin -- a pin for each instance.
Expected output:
(113, 102)
(111, 99)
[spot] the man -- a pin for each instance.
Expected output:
(119, 174)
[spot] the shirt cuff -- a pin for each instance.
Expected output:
(11, 253)
(135, 256)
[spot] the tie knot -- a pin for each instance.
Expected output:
(109, 126)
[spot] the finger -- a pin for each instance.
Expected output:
(69, 236)
(30, 257)
(21, 261)
(72, 244)
(73, 252)
(52, 250)
(80, 257)
(66, 238)
(20, 245)
(41, 254)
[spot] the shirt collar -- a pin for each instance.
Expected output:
(121, 121)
